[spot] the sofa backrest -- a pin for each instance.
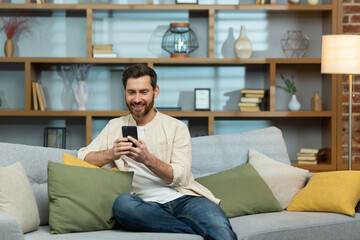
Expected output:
(35, 161)
(211, 154)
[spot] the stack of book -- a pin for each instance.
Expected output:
(38, 96)
(103, 51)
(252, 100)
(310, 155)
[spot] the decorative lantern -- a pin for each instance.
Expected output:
(179, 40)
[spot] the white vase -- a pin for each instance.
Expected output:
(81, 95)
(243, 46)
(294, 104)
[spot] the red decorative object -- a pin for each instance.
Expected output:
(14, 25)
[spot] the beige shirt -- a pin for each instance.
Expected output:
(168, 139)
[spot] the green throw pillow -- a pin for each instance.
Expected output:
(81, 199)
(242, 191)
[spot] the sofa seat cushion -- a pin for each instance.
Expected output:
(297, 225)
(216, 153)
(44, 234)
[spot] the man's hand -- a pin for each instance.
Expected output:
(121, 147)
(142, 155)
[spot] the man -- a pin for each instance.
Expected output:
(166, 198)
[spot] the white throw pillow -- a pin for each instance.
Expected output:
(17, 198)
(284, 180)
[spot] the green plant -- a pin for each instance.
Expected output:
(81, 70)
(289, 84)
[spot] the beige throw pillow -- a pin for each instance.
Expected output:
(284, 181)
(17, 198)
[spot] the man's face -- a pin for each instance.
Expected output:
(139, 96)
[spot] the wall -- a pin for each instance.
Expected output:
(351, 25)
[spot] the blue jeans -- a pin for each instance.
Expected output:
(187, 214)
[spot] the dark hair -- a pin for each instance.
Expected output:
(139, 70)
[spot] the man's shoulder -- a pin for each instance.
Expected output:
(120, 120)
(170, 120)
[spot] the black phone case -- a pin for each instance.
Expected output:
(130, 131)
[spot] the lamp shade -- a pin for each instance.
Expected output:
(340, 54)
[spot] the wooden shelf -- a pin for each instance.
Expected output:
(329, 120)
(216, 114)
(111, 7)
(222, 61)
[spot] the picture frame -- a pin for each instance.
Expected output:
(186, 1)
(202, 99)
(55, 137)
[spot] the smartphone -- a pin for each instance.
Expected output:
(130, 131)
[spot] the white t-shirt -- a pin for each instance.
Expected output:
(146, 184)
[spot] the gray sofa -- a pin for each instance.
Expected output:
(211, 154)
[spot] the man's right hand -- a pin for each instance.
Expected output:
(121, 147)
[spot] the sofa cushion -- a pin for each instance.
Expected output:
(216, 153)
(10, 229)
(17, 198)
(242, 191)
(337, 192)
(284, 180)
(34, 160)
(74, 161)
(297, 226)
(81, 199)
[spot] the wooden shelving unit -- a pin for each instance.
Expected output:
(331, 128)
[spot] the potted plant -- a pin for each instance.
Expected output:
(290, 87)
(81, 71)
(11, 27)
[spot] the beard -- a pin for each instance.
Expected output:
(140, 114)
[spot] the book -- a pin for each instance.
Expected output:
(250, 109)
(307, 162)
(102, 51)
(40, 97)
(38, 1)
(310, 150)
(258, 91)
(104, 55)
(43, 96)
(43, 1)
(306, 154)
(257, 95)
(247, 104)
(34, 96)
(102, 47)
(251, 100)
(310, 158)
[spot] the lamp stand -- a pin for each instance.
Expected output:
(350, 117)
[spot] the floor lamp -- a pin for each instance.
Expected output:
(341, 55)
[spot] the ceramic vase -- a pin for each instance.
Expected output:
(9, 48)
(294, 104)
(81, 95)
(243, 46)
(316, 102)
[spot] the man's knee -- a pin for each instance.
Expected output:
(123, 204)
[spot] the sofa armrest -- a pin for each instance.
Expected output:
(10, 229)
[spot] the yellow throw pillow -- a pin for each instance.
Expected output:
(74, 161)
(337, 192)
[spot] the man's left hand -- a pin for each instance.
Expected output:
(140, 154)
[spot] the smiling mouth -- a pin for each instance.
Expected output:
(138, 107)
